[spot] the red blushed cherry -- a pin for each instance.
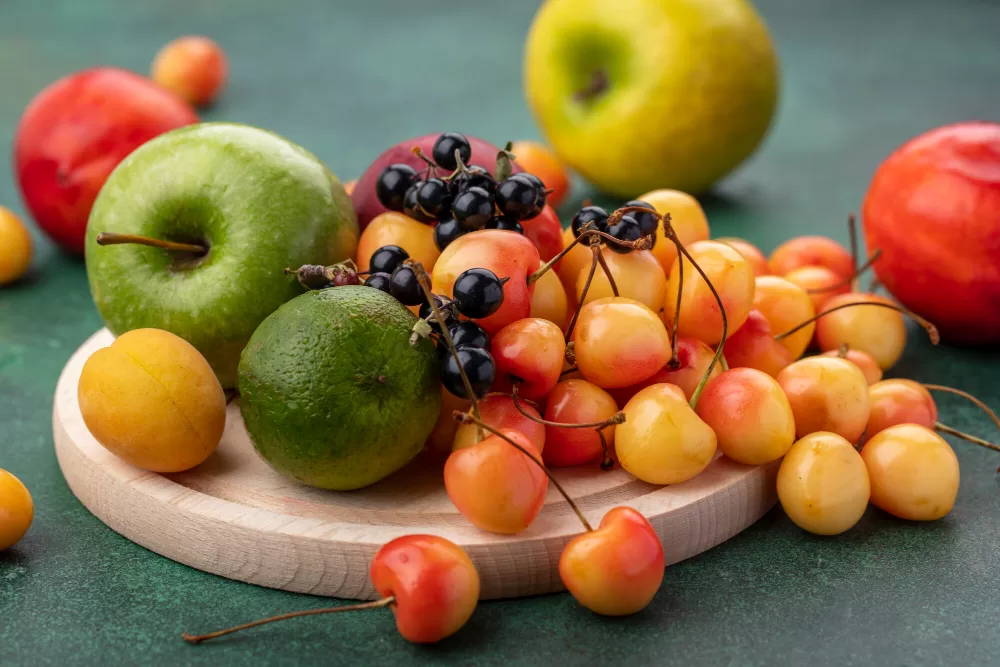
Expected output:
(753, 346)
(616, 569)
(899, 401)
(508, 255)
(433, 581)
(530, 353)
(693, 357)
(577, 402)
(500, 412)
(495, 486)
(811, 251)
(545, 231)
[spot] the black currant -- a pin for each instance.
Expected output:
(590, 217)
(648, 222)
(479, 367)
(445, 147)
(473, 209)
(410, 206)
(447, 231)
(442, 303)
(626, 229)
(387, 258)
(379, 281)
(506, 223)
(392, 184)
(404, 285)
(516, 197)
(475, 177)
(478, 293)
(434, 198)
(468, 333)
(543, 197)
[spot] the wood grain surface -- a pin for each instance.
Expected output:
(236, 517)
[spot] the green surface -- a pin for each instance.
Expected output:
(859, 78)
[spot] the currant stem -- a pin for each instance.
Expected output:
(583, 296)
(420, 154)
(112, 238)
(377, 604)
(965, 436)
(607, 270)
(851, 280)
(969, 397)
(465, 418)
(932, 331)
(425, 284)
(617, 418)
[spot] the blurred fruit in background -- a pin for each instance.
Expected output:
(644, 94)
(75, 132)
(192, 67)
(15, 247)
(537, 159)
(933, 208)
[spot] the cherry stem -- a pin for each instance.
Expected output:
(874, 284)
(112, 238)
(643, 243)
(465, 418)
(617, 418)
(425, 284)
(583, 296)
(932, 331)
(852, 228)
(965, 436)
(843, 350)
(674, 362)
(572, 369)
(850, 280)
(607, 463)
(377, 604)
(607, 270)
(969, 397)
(723, 363)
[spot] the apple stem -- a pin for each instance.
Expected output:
(583, 295)
(606, 268)
(851, 280)
(599, 82)
(967, 396)
(377, 604)
(932, 331)
(465, 418)
(112, 238)
(425, 284)
(852, 228)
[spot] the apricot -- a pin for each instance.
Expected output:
(16, 510)
(392, 228)
(152, 399)
(15, 247)
(194, 68)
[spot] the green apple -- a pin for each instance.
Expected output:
(249, 202)
(639, 95)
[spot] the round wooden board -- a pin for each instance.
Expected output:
(236, 517)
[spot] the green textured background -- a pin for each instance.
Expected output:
(346, 79)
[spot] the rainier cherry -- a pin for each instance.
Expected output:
(637, 275)
(753, 346)
(500, 412)
(811, 251)
(439, 442)
(750, 414)
(549, 301)
(577, 402)
(529, 353)
(507, 254)
(662, 440)
(616, 569)
(785, 304)
(753, 254)
(817, 281)
(899, 401)
(575, 261)
(862, 360)
(619, 342)
(881, 332)
(686, 217)
(826, 394)
(392, 228)
(914, 472)
(429, 583)
(693, 359)
(823, 484)
(494, 485)
(731, 275)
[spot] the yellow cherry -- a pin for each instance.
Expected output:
(823, 484)
(548, 301)
(687, 218)
(879, 331)
(785, 305)
(827, 394)
(637, 274)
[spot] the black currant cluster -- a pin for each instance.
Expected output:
(477, 293)
(631, 227)
(465, 200)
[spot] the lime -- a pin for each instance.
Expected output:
(332, 392)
